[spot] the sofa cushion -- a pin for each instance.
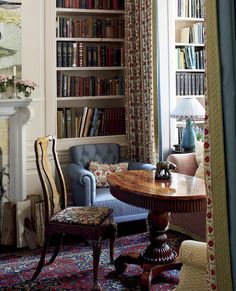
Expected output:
(199, 157)
(101, 171)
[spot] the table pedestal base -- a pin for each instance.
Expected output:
(157, 257)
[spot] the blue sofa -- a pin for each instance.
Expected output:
(83, 184)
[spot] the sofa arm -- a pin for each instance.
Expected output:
(193, 253)
(83, 185)
(193, 273)
(185, 163)
(140, 166)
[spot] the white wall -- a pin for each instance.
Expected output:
(33, 69)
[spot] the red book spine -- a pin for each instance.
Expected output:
(76, 3)
(67, 3)
(90, 4)
(115, 4)
(81, 86)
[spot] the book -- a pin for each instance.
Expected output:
(181, 84)
(201, 84)
(83, 121)
(59, 54)
(64, 54)
(177, 83)
(60, 123)
(88, 121)
(78, 120)
(73, 122)
(74, 54)
(184, 35)
(193, 82)
(98, 122)
(68, 123)
(93, 122)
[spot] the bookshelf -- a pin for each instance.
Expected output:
(187, 54)
(86, 62)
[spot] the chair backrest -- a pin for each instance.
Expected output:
(101, 152)
(55, 200)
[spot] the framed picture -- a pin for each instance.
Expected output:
(10, 37)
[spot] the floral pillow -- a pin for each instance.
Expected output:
(101, 171)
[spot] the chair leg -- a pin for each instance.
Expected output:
(97, 246)
(56, 250)
(42, 259)
(113, 234)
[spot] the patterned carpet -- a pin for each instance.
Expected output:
(72, 269)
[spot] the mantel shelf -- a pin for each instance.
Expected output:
(9, 106)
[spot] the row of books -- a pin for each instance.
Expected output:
(190, 57)
(69, 86)
(91, 4)
(90, 26)
(87, 121)
(190, 8)
(193, 34)
(78, 54)
(190, 83)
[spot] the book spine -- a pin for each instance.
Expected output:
(74, 54)
(69, 54)
(81, 55)
(59, 54)
(193, 82)
(202, 85)
(185, 83)
(177, 84)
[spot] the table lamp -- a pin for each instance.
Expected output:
(188, 108)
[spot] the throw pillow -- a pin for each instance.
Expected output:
(199, 157)
(101, 171)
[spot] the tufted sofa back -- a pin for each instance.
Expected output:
(101, 152)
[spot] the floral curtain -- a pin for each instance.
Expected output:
(220, 143)
(139, 102)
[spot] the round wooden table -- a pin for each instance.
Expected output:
(181, 193)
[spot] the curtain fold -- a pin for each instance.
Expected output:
(220, 143)
(227, 46)
(140, 127)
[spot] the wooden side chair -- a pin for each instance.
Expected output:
(90, 223)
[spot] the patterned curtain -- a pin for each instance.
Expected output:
(220, 143)
(139, 102)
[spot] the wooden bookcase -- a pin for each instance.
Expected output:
(85, 71)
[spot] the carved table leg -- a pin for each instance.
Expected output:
(157, 257)
(158, 252)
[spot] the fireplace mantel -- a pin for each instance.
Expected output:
(18, 113)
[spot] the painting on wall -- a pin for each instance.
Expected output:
(10, 56)
(10, 37)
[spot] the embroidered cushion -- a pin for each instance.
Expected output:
(101, 171)
(92, 216)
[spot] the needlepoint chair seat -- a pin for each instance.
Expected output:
(92, 216)
(89, 223)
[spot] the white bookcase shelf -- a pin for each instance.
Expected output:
(92, 82)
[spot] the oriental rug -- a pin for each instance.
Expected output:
(72, 269)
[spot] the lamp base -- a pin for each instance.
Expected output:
(189, 150)
(188, 138)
